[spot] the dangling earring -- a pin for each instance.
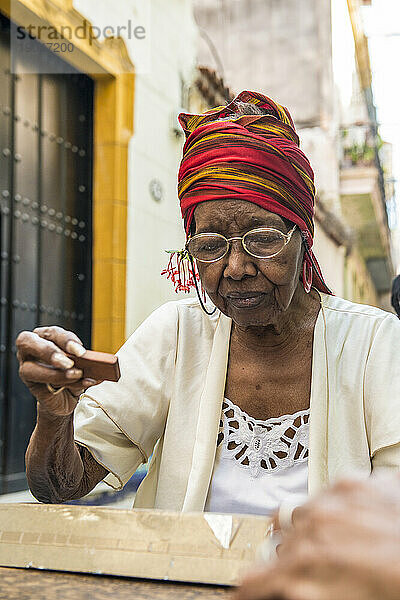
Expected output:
(202, 301)
(307, 276)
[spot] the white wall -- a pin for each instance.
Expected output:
(320, 145)
(155, 154)
(331, 260)
(167, 54)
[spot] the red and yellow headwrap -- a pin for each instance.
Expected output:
(248, 157)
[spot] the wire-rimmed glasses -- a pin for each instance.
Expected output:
(263, 242)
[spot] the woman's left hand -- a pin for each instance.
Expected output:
(345, 544)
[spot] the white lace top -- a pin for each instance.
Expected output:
(258, 463)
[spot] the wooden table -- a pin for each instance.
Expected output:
(24, 584)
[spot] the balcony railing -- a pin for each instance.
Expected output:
(358, 147)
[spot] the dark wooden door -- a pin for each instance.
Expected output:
(45, 224)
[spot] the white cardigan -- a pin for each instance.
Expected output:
(169, 400)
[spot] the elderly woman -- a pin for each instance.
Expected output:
(272, 392)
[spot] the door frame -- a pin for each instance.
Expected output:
(112, 71)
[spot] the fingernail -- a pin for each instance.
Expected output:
(75, 348)
(74, 373)
(63, 361)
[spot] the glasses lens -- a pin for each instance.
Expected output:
(207, 247)
(264, 243)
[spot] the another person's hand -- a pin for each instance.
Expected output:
(343, 545)
(44, 367)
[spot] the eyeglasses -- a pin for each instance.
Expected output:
(263, 242)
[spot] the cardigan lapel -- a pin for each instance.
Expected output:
(208, 420)
(319, 406)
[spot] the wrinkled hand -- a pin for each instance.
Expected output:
(343, 545)
(42, 360)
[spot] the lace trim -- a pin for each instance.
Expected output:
(262, 446)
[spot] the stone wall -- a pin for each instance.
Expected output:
(281, 47)
(284, 49)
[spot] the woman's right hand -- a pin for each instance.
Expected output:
(42, 360)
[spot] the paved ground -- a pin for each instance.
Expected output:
(101, 495)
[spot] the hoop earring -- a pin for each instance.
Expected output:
(307, 276)
(198, 292)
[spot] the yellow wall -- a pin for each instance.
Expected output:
(113, 125)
